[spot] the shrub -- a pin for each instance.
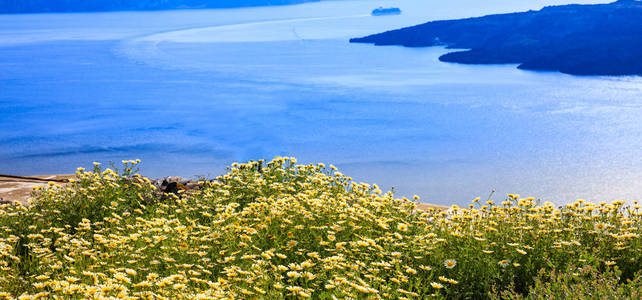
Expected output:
(581, 283)
(285, 230)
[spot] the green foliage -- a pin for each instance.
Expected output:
(581, 283)
(283, 230)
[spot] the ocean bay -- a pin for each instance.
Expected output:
(193, 91)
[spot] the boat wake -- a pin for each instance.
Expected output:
(147, 49)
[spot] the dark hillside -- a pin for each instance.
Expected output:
(603, 39)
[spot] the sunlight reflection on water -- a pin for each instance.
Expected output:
(192, 91)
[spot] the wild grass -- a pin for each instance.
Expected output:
(281, 230)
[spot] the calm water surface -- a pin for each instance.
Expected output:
(190, 92)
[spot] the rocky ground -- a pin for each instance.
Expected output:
(19, 189)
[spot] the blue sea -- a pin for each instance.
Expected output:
(191, 91)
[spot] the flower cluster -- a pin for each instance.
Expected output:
(285, 230)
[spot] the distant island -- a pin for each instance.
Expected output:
(43, 6)
(602, 39)
(381, 11)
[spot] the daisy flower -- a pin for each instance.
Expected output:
(450, 263)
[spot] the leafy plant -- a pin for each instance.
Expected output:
(282, 230)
